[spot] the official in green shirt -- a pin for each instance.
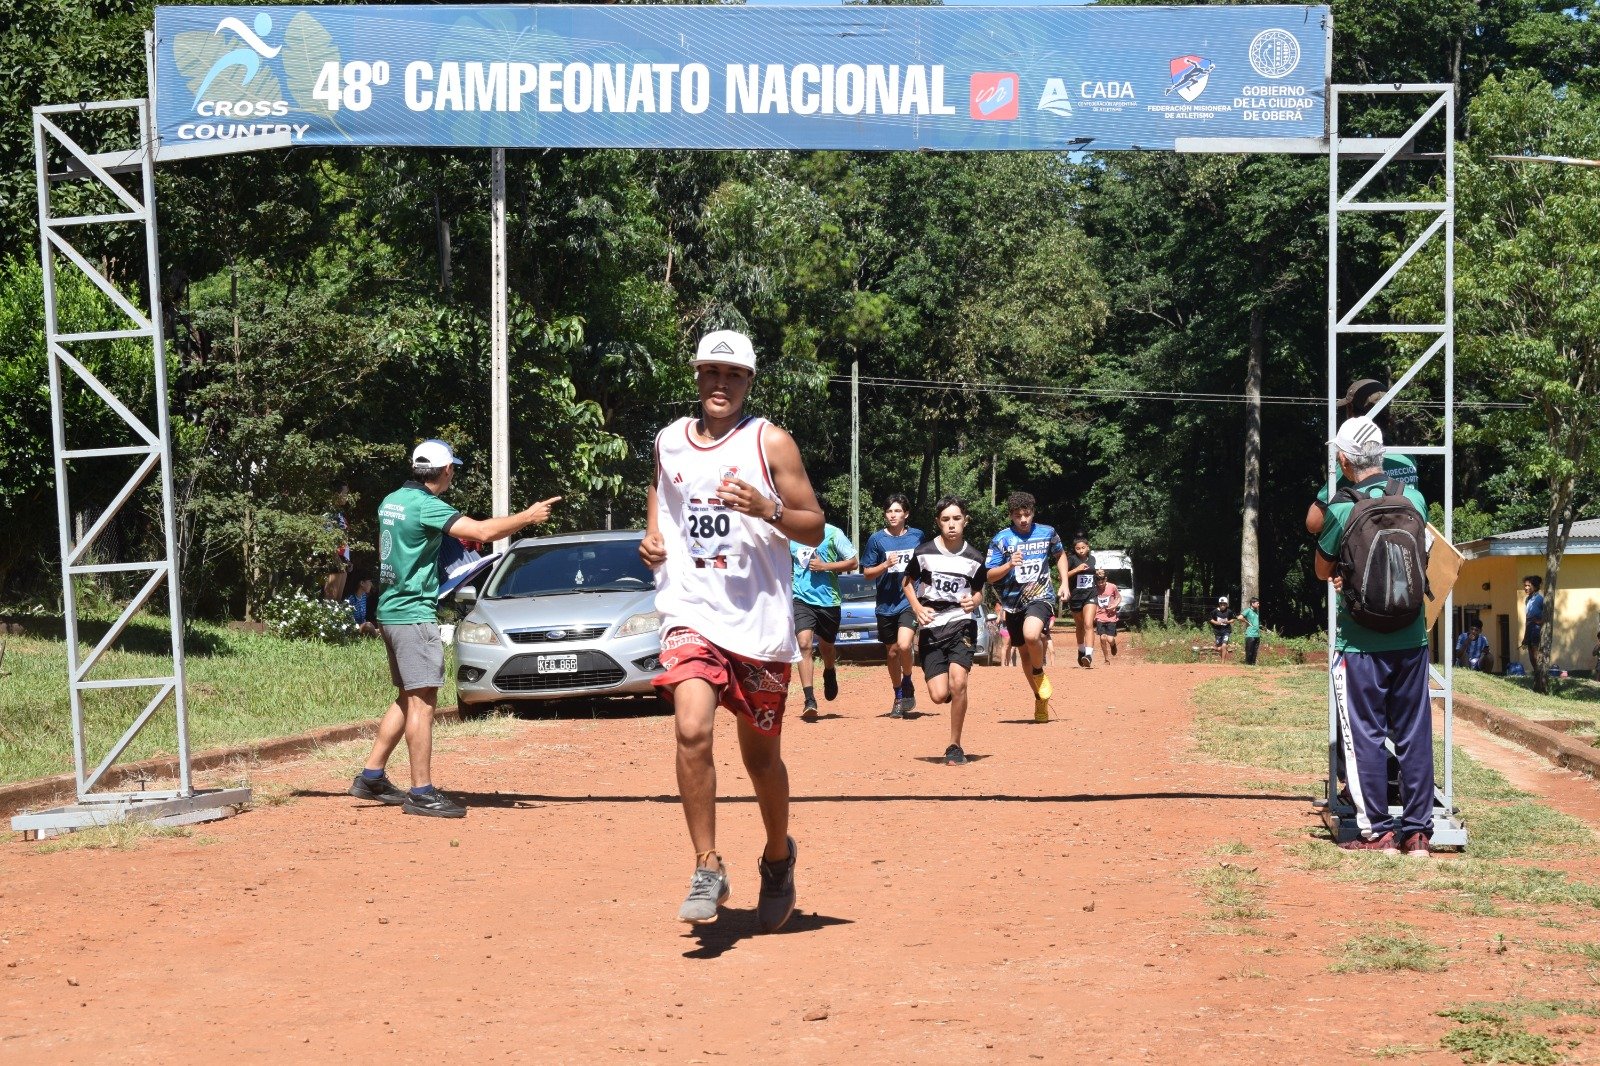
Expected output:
(412, 521)
(1380, 680)
(1252, 630)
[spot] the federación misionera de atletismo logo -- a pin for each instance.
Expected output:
(1274, 53)
(248, 57)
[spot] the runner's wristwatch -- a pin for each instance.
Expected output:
(777, 511)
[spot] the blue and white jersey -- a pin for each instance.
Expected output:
(1031, 581)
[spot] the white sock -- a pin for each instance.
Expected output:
(1084, 649)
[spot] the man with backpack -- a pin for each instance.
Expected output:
(1373, 548)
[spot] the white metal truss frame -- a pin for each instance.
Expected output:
(150, 446)
(1382, 152)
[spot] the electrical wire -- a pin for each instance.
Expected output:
(1133, 395)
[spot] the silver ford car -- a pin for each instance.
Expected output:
(559, 617)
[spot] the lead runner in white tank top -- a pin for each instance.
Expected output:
(727, 574)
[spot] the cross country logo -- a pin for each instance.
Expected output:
(248, 58)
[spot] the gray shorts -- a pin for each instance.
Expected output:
(416, 655)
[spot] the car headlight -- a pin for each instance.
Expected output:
(649, 622)
(470, 632)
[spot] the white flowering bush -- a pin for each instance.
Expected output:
(296, 616)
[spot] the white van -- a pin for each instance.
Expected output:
(1118, 566)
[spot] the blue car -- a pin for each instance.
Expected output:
(858, 624)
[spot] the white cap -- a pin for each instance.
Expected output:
(728, 347)
(435, 454)
(1356, 433)
(1222, 599)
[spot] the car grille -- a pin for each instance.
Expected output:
(555, 634)
(595, 670)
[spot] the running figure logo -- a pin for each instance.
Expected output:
(249, 58)
(1189, 76)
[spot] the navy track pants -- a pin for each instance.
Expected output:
(1384, 695)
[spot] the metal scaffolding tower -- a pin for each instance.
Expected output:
(1435, 128)
(149, 447)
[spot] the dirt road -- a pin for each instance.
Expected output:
(1041, 903)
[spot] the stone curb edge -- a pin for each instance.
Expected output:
(1557, 747)
(62, 789)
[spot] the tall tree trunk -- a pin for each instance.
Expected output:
(442, 235)
(930, 452)
(1555, 546)
(1249, 534)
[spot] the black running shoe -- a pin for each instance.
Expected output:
(381, 789)
(775, 902)
(809, 712)
(830, 684)
(434, 804)
(954, 756)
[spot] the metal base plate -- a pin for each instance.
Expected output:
(207, 805)
(1448, 828)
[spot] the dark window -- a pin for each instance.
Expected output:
(543, 569)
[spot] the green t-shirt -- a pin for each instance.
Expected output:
(411, 523)
(1252, 622)
(1353, 637)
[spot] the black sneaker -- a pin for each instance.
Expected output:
(434, 804)
(775, 902)
(381, 789)
(899, 708)
(830, 684)
(809, 712)
(954, 756)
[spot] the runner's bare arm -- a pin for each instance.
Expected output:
(998, 573)
(802, 519)
(1061, 569)
(843, 566)
(492, 529)
(652, 549)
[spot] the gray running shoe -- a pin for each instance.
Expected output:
(899, 709)
(708, 890)
(776, 901)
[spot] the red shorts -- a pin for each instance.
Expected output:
(750, 688)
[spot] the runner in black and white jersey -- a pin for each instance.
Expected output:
(944, 581)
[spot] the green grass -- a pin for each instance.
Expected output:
(1574, 698)
(118, 836)
(242, 687)
(1177, 643)
(1277, 720)
(1232, 893)
(1494, 1032)
(1387, 951)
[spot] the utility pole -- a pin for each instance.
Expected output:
(499, 390)
(855, 450)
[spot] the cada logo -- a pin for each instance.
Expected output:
(248, 58)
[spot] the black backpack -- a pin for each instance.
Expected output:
(1383, 558)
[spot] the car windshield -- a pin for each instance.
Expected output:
(853, 588)
(1123, 579)
(552, 569)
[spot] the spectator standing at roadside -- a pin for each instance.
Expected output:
(339, 570)
(1380, 667)
(411, 522)
(1252, 630)
(1533, 622)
